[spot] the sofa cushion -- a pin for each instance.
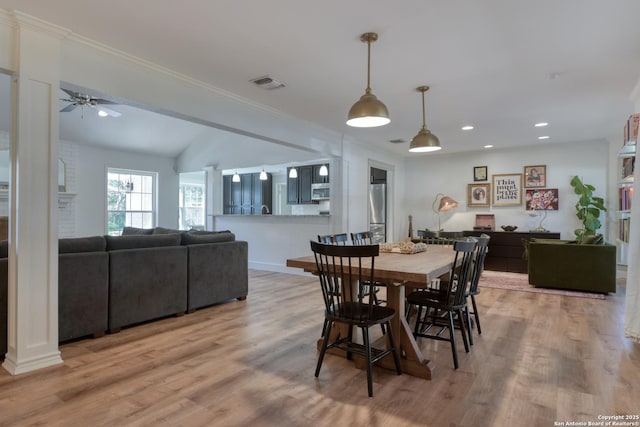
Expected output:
(208, 237)
(127, 231)
(162, 230)
(142, 241)
(82, 244)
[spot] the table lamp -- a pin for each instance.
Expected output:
(445, 203)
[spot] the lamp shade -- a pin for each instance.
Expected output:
(424, 142)
(446, 204)
(368, 112)
(293, 173)
(324, 171)
(263, 175)
(235, 177)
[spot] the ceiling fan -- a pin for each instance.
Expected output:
(80, 99)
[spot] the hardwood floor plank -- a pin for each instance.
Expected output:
(540, 358)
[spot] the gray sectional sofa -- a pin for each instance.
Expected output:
(109, 282)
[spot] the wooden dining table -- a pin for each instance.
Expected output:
(399, 271)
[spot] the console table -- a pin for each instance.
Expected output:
(506, 249)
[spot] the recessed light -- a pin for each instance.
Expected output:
(541, 124)
(543, 137)
(488, 146)
(467, 127)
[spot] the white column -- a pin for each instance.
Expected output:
(33, 253)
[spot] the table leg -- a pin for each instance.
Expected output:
(412, 360)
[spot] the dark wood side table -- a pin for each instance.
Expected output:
(506, 249)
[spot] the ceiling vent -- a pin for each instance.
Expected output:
(267, 82)
(397, 141)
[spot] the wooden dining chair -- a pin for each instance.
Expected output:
(334, 239)
(366, 238)
(346, 267)
(446, 305)
(482, 247)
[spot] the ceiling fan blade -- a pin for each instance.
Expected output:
(68, 108)
(109, 111)
(71, 93)
(102, 101)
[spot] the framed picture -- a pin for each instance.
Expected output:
(480, 173)
(535, 176)
(507, 189)
(543, 199)
(478, 194)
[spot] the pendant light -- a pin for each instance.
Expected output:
(324, 171)
(293, 173)
(263, 175)
(424, 141)
(235, 177)
(369, 111)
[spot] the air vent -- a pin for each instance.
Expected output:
(397, 141)
(267, 82)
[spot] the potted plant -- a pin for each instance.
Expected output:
(588, 208)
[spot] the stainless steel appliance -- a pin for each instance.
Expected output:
(320, 191)
(378, 212)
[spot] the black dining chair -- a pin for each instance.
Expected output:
(366, 238)
(346, 267)
(482, 248)
(447, 304)
(334, 239)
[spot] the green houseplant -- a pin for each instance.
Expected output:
(588, 208)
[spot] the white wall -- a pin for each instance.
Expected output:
(90, 200)
(449, 174)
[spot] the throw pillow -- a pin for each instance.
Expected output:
(593, 240)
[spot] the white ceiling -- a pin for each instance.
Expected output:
(499, 65)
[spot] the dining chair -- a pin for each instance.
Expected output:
(482, 247)
(348, 268)
(366, 238)
(445, 305)
(333, 239)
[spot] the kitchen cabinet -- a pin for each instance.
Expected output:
(317, 178)
(299, 189)
(248, 196)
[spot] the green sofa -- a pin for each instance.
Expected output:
(564, 264)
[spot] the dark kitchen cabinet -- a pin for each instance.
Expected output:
(232, 196)
(299, 189)
(261, 195)
(317, 178)
(248, 196)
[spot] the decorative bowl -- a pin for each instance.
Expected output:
(509, 227)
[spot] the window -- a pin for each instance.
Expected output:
(191, 203)
(130, 200)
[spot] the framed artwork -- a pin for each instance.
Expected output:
(478, 194)
(480, 173)
(507, 189)
(535, 176)
(543, 199)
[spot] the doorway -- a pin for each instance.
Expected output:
(378, 204)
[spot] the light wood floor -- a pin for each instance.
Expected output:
(540, 359)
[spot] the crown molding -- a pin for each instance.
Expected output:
(21, 19)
